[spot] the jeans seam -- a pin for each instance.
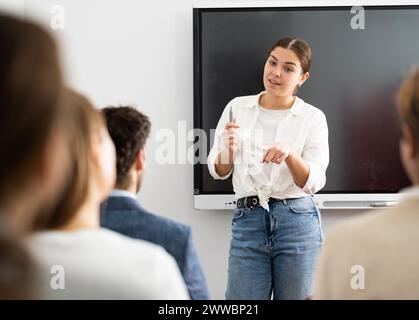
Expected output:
(318, 216)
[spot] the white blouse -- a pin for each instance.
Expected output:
(102, 264)
(303, 127)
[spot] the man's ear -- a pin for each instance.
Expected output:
(140, 160)
(410, 140)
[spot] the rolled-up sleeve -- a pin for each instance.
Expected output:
(218, 143)
(316, 154)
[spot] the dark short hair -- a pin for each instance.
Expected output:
(129, 130)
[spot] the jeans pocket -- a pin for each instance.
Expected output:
(304, 206)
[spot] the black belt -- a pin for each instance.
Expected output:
(252, 202)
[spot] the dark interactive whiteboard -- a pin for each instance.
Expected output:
(354, 78)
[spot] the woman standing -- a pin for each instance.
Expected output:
(276, 146)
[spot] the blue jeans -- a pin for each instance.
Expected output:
(274, 251)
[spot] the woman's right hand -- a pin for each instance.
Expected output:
(230, 137)
(225, 159)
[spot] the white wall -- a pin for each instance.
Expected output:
(134, 51)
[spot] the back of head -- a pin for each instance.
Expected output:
(30, 98)
(30, 106)
(129, 130)
(16, 267)
(84, 122)
(408, 103)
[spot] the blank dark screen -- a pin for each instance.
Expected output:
(354, 78)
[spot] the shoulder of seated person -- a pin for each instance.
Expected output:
(141, 249)
(173, 225)
(365, 226)
(118, 239)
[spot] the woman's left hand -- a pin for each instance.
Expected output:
(276, 153)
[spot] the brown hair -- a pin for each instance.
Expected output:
(85, 123)
(30, 99)
(301, 49)
(16, 267)
(408, 102)
(129, 130)
(30, 106)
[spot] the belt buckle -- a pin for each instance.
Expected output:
(247, 202)
(254, 202)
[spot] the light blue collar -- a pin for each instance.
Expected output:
(122, 193)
